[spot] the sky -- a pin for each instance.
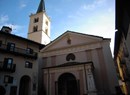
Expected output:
(95, 17)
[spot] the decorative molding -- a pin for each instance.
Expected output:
(71, 49)
(66, 69)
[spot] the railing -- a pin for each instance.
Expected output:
(3, 69)
(18, 51)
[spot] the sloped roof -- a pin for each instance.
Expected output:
(21, 38)
(74, 33)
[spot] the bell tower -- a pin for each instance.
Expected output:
(39, 26)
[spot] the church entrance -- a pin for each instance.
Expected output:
(67, 85)
(24, 88)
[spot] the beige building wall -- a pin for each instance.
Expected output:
(86, 49)
(19, 58)
(19, 73)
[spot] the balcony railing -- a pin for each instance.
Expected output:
(18, 51)
(3, 69)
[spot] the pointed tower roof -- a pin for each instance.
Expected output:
(41, 7)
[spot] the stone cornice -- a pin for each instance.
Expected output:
(73, 49)
(69, 68)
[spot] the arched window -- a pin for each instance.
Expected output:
(46, 22)
(35, 28)
(70, 56)
(36, 20)
(46, 31)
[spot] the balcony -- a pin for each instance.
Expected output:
(5, 69)
(18, 51)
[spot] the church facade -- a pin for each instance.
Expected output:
(78, 64)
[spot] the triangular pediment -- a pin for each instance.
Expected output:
(71, 39)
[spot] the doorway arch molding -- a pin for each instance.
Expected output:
(67, 84)
(25, 85)
(58, 74)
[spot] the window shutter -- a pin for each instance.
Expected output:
(5, 63)
(10, 79)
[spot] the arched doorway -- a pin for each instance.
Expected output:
(2, 90)
(24, 88)
(67, 85)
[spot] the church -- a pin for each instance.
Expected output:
(78, 64)
(72, 64)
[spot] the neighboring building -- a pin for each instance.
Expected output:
(39, 26)
(18, 64)
(78, 64)
(122, 44)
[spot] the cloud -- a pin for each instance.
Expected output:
(88, 7)
(16, 29)
(93, 5)
(101, 25)
(22, 5)
(4, 19)
(84, 9)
